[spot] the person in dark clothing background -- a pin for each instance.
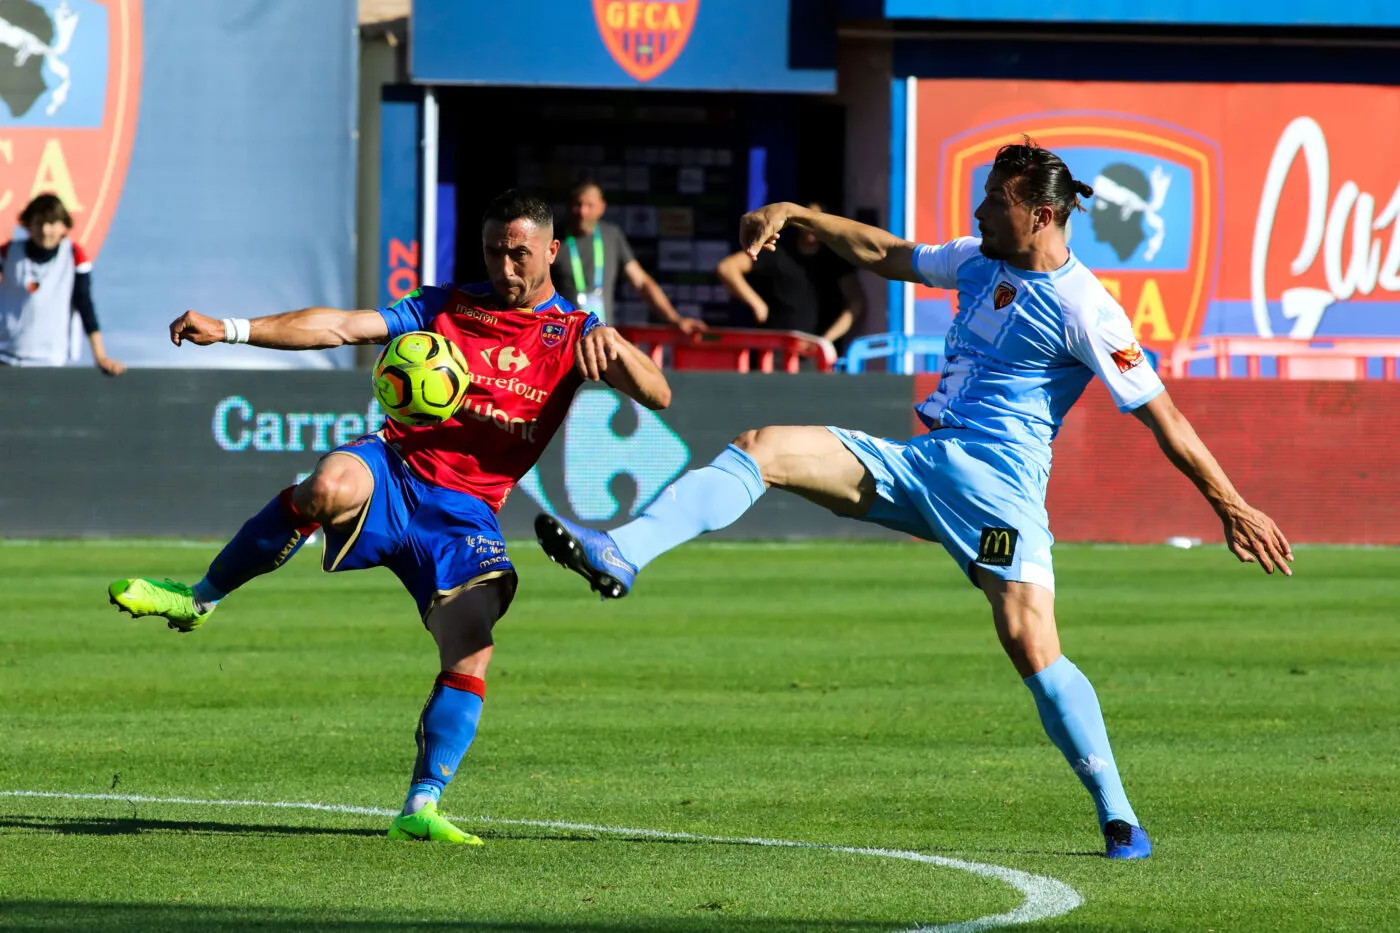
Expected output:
(593, 253)
(801, 285)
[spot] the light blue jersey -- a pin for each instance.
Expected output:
(1021, 350)
(1025, 344)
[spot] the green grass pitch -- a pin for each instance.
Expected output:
(849, 694)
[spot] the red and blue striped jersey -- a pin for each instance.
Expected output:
(523, 380)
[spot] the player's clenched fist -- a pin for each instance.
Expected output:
(197, 328)
(593, 353)
(758, 230)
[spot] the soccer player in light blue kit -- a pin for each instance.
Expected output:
(1033, 327)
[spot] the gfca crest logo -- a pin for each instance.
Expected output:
(70, 80)
(645, 37)
(1151, 231)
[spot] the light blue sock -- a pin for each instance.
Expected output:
(1069, 710)
(702, 500)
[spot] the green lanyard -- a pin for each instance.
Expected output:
(579, 285)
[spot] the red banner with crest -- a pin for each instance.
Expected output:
(1269, 210)
(70, 83)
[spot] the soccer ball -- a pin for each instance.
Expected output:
(420, 378)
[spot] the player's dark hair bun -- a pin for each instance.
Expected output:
(1043, 178)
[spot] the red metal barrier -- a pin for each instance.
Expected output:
(728, 349)
(1322, 358)
(1313, 455)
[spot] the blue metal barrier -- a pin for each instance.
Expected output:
(926, 348)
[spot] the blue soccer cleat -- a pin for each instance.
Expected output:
(1122, 839)
(591, 554)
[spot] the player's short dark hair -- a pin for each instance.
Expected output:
(514, 204)
(45, 209)
(584, 185)
(1042, 178)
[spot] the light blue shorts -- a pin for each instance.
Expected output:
(968, 491)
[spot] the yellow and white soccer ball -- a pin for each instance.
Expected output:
(420, 378)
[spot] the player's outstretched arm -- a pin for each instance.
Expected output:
(307, 329)
(859, 244)
(1249, 533)
(604, 355)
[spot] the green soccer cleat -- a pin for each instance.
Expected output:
(428, 825)
(170, 600)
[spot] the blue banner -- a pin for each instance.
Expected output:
(674, 44)
(400, 198)
(1202, 12)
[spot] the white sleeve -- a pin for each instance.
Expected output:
(1101, 337)
(937, 266)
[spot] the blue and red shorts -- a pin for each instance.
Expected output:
(437, 541)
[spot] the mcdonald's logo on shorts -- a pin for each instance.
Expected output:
(998, 547)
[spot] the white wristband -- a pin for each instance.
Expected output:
(236, 329)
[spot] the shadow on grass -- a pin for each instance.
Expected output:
(80, 917)
(135, 826)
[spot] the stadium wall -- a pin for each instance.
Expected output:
(180, 453)
(1304, 452)
(191, 454)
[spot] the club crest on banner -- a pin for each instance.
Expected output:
(645, 37)
(1151, 229)
(70, 83)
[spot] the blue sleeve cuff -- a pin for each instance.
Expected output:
(1143, 400)
(921, 250)
(412, 311)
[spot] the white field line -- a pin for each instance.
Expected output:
(1044, 897)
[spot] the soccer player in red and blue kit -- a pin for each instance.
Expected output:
(422, 501)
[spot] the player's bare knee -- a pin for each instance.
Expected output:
(330, 493)
(758, 444)
(1030, 641)
(747, 441)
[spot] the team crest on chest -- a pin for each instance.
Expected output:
(551, 333)
(1003, 295)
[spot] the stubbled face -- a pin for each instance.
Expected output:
(1004, 221)
(587, 208)
(48, 235)
(518, 255)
